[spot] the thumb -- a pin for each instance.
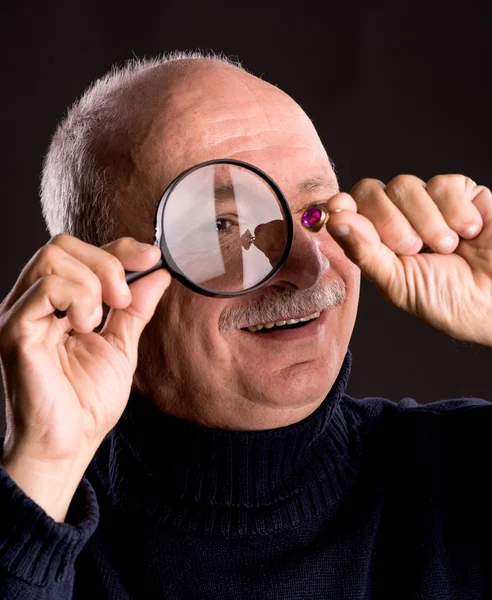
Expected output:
(362, 244)
(124, 326)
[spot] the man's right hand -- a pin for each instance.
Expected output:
(66, 386)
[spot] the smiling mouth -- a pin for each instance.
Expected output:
(282, 325)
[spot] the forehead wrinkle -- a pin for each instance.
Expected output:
(197, 122)
(257, 138)
(251, 109)
(257, 148)
(233, 119)
(246, 126)
(317, 183)
(245, 108)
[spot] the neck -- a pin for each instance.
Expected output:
(235, 483)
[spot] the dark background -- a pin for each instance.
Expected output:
(392, 88)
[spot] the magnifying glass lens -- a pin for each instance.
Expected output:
(224, 227)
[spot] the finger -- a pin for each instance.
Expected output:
(394, 229)
(361, 242)
(43, 297)
(124, 326)
(453, 195)
(133, 255)
(109, 263)
(104, 263)
(410, 196)
(53, 260)
(342, 201)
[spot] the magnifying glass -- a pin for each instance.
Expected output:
(224, 229)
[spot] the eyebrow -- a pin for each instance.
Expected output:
(226, 191)
(314, 184)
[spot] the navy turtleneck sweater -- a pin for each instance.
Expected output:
(364, 499)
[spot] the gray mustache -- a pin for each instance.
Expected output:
(280, 303)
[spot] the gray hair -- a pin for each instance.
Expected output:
(77, 191)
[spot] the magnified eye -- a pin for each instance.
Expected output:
(223, 224)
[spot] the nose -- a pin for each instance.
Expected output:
(305, 265)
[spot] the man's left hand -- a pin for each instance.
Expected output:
(449, 288)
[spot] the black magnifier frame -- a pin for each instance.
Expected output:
(167, 261)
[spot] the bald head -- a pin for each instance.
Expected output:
(191, 111)
(137, 127)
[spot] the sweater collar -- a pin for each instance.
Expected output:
(304, 464)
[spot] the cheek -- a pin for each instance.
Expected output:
(192, 320)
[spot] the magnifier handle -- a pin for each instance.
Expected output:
(130, 277)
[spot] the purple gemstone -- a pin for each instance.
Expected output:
(311, 217)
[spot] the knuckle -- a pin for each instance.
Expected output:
(469, 182)
(111, 267)
(112, 263)
(366, 186)
(48, 254)
(438, 183)
(438, 180)
(126, 241)
(60, 239)
(400, 188)
(121, 243)
(441, 183)
(403, 182)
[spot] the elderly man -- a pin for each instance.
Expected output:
(199, 456)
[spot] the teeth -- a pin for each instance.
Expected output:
(254, 328)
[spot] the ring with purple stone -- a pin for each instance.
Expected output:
(314, 217)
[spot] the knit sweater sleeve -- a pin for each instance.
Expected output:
(37, 554)
(442, 406)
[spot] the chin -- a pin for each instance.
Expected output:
(301, 385)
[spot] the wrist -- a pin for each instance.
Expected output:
(50, 486)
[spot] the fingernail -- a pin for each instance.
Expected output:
(141, 247)
(406, 244)
(97, 313)
(446, 243)
(472, 230)
(339, 230)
